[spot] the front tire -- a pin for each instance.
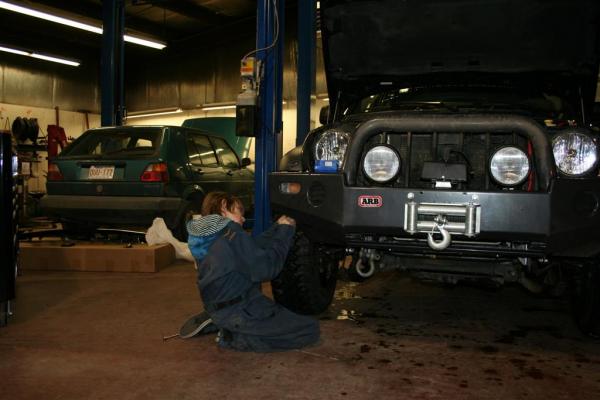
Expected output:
(307, 283)
(179, 230)
(585, 298)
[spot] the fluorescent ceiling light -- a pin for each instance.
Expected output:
(55, 59)
(152, 113)
(217, 106)
(40, 56)
(144, 42)
(76, 24)
(14, 51)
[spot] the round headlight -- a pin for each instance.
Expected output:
(509, 166)
(575, 153)
(381, 164)
(332, 146)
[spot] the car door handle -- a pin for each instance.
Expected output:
(230, 173)
(198, 171)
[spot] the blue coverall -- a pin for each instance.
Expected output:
(231, 267)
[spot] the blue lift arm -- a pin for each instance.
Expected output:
(270, 24)
(112, 66)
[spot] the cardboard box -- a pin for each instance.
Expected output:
(85, 256)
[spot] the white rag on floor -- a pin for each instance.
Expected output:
(158, 233)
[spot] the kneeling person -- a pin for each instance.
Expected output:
(231, 267)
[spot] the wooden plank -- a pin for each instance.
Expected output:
(52, 255)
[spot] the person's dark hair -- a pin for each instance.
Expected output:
(214, 200)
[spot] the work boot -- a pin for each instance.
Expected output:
(198, 324)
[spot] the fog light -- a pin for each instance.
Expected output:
(290, 187)
(509, 166)
(381, 163)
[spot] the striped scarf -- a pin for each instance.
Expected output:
(202, 232)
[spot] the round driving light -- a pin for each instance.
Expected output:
(332, 146)
(575, 153)
(381, 164)
(509, 166)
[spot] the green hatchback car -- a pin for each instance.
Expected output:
(129, 175)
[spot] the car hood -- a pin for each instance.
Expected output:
(369, 44)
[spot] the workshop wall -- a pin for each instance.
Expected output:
(208, 71)
(37, 83)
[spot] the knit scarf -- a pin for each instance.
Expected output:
(202, 232)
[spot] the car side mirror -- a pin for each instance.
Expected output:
(324, 115)
(246, 161)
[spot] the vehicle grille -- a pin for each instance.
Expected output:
(317, 194)
(472, 149)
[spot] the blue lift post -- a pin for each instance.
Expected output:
(112, 68)
(306, 66)
(270, 103)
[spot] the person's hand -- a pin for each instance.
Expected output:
(285, 220)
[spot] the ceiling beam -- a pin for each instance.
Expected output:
(188, 9)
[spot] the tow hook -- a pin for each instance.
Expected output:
(440, 221)
(365, 268)
(365, 265)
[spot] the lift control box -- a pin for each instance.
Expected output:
(246, 110)
(246, 113)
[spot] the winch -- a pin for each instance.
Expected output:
(442, 218)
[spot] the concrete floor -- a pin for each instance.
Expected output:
(99, 336)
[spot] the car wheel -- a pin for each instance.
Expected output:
(179, 229)
(585, 298)
(307, 282)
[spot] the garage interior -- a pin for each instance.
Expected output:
(90, 318)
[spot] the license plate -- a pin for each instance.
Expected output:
(101, 172)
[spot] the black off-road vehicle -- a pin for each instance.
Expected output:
(458, 145)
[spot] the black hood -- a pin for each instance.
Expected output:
(373, 44)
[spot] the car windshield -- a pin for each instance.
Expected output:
(462, 99)
(115, 143)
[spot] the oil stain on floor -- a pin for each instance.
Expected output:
(475, 342)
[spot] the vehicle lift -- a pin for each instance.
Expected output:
(267, 124)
